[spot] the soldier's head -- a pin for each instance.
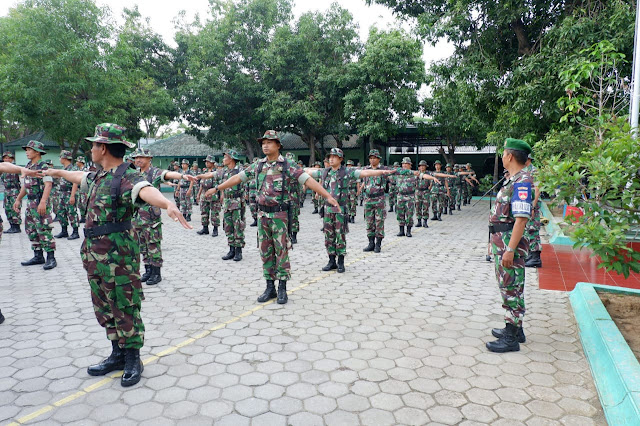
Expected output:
(108, 142)
(209, 162)
(349, 163)
(142, 158)
(468, 166)
(448, 167)
(406, 163)
(65, 157)
(326, 161)
(317, 165)
(184, 164)
(194, 166)
(80, 162)
(438, 165)
(374, 158)
(270, 142)
(34, 150)
(335, 157)
(8, 157)
(422, 166)
(231, 157)
(515, 150)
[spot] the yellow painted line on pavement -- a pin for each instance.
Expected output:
(172, 349)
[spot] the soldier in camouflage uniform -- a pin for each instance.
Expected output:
(423, 197)
(276, 176)
(205, 202)
(315, 198)
(507, 224)
(375, 210)
(405, 204)
(296, 195)
(110, 252)
(336, 181)
(450, 203)
(38, 218)
(302, 191)
(252, 192)
(468, 187)
(353, 195)
(532, 231)
(185, 188)
(233, 199)
(176, 186)
(12, 186)
(81, 196)
(439, 190)
(67, 212)
(393, 192)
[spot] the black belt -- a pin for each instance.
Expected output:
(495, 228)
(234, 194)
(109, 228)
(273, 209)
(407, 193)
(34, 196)
(375, 194)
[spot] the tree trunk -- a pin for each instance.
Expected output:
(250, 151)
(311, 142)
(524, 47)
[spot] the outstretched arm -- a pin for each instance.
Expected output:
(154, 197)
(232, 181)
(315, 186)
(71, 176)
(372, 172)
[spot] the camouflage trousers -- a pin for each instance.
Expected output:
(274, 245)
(510, 280)
(210, 211)
(405, 209)
(54, 200)
(468, 190)
(316, 202)
(216, 208)
(453, 194)
(437, 202)
(176, 198)
(295, 216)
(67, 213)
(459, 193)
(253, 207)
(375, 212)
(117, 299)
(532, 230)
(353, 201)
(9, 200)
(234, 224)
(423, 200)
(392, 196)
(38, 227)
(81, 202)
(186, 203)
(335, 233)
(150, 240)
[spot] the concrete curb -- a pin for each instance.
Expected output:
(615, 369)
(557, 237)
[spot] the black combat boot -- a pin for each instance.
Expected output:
(419, 224)
(147, 273)
(315, 210)
(401, 233)
(1, 317)
(114, 362)
(282, 292)
(133, 368)
(51, 261)
(459, 207)
(445, 211)
(332, 263)
(188, 218)
(450, 211)
(14, 229)
(74, 235)
(435, 216)
(533, 260)
(294, 238)
(409, 232)
(440, 216)
(63, 233)
(238, 254)
(361, 201)
(340, 263)
(231, 254)
(155, 276)
(371, 245)
(498, 332)
(390, 209)
(269, 292)
(255, 222)
(82, 220)
(37, 259)
(214, 233)
(508, 342)
(464, 202)
(424, 223)
(204, 230)
(377, 248)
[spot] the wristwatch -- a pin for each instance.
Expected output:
(509, 249)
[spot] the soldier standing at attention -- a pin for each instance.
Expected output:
(507, 223)
(185, 188)
(393, 192)
(438, 192)
(336, 181)
(110, 252)
(451, 189)
(375, 210)
(469, 186)
(38, 220)
(205, 202)
(175, 184)
(82, 197)
(405, 205)
(67, 213)
(276, 177)
(216, 199)
(12, 186)
(233, 218)
(353, 195)
(423, 197)
(532, 233)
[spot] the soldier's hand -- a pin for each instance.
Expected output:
(332, 201)
(507, 259)
(189, 193)
(16, 206)
(191, 178)
(42, 208)
(72, 200)
(175, 214)
(210, 192)
(31, 173)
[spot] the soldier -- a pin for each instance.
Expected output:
(82, 197)
(353, 195)
(450, 203)
(205, 202)
(296, 195)
(507, 223)
(303, 191)
(233, 218)
(393, 192)
(459, 182)
(38, 219)
(405, 204)
(175, 184)
(468, 188)
(315, 198)
(252, 191)
(185, 188)
(67, 212)
(336, 181)
(423, 197)
(110, 252)
(375, 210)
(439, 189)
(532, 232)
(12, 186)
(276, 176)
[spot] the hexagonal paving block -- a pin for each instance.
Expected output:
(252, 407)
(320, 404)
(386, 401)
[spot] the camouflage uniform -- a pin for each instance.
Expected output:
(406, 183)
(81, 196)
(451, 198)
(438, 197)
(375, 210)
(353, 195)
(233, 218)
(532, 230)
(186, 202)
(67, 213)
(459, 183)
(393, 191)
(296, 196)
(12, 187)
(38, 227)
(206, 211)
(468, 188)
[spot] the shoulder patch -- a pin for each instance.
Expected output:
(521, 198)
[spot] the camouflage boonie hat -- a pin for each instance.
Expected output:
(109, 133)
(406, 160)
(375, 153)
(438, 162)
(448, 165)
(36, 146)
(271, 135)
(184, 161)
(337, 151)
(396, 164)
(8, 154)
(210, 159)
(66, 154)
(422, 163)
(290, 156)
(141, 152)
(349, 162)
(81, 159)
(469, 164)
(233, 154)
(317, 163)
(194, 163)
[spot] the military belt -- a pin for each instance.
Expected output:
(407, 192)
(495, 228)
(108, 228)
(273, 209)
(234, 194)
(35, 196)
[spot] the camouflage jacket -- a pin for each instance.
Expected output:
(406, 182)
(438, 187)
(423, 185)
(35, 186)
(234, 196)
(146, 213)
(65, 186)
(514, 199)
(338, 190)
(274, 187)
(184, 183)
(373, 187)
(11, 183)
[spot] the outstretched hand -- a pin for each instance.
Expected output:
(192, 178)
(332, 201)
(174, 213)
(32, 173)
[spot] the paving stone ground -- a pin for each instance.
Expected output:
(397, 339)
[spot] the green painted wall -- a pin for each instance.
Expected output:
(52, 153)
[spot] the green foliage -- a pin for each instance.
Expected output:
(567, 143)
(486, 183)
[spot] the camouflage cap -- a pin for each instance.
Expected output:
(290, 156)
(438, 162)
(66, 154)
(36, 146)
(349, 162)
(80, 159)
(317, 163)
(109, 133)
(337, 151)
(233, 154)
(468, 164)
(396, 164)
(406, 160)
(422, 163)
(300, 163)
(270, 135)
(194, 163)
(456, 167)
(8, 154)
(141, 152)
(448, 165)
(210, 159)
(185, 161)
(48, 162)
(375, 153)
